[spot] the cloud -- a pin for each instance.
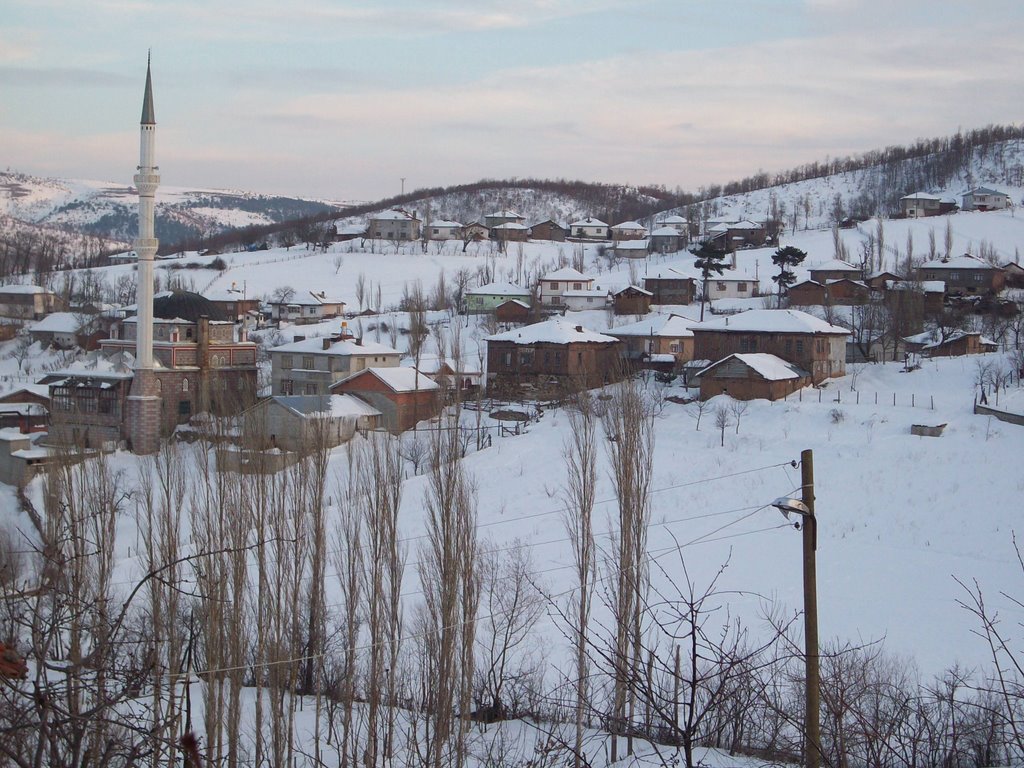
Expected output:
(63, 77)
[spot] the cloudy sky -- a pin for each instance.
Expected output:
(341, 99)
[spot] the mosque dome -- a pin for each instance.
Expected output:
(185, 305)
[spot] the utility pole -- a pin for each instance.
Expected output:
(812, 682)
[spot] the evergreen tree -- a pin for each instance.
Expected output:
(708, 260)
(784, 259)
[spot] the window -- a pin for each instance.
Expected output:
(310, 388)
(184, 385)
(741, 287)
(308, 363)
(184, 408)
(954, 275)
(978, 277)
(577, 286)
(719, 286)
(287, 387)
(554, 286)
(799, 347)
(674, 348)
(526, 357)
(507, 359)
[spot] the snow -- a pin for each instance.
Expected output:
(399, 379)
(566, 274)
(553, 331)
(341, 347)
(765, 365)
(499, 289)
(772, 321)
(669, 326)
(966, 261)
(59, 322)
(21, 290)
(835, 265)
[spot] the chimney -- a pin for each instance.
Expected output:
(203, 340)
(327, 341)
(579, 329)
(297, 337)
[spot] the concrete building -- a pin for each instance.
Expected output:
(404, 396)
(395, 224)
(589, 229)
(554, 284)
(985, 199)
(312, 366)
(964, 275)
(28, 302)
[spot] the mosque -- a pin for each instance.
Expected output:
(178, 357)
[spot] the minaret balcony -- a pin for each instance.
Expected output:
(146, 244)
(146, 183)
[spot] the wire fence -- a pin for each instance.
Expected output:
(839, 397)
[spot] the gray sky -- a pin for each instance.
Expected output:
(340, 99)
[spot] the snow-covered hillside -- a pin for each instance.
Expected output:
(110, 209)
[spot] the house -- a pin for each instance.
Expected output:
(487, 298)
(554, 353)
(311, 366)
(729, 237)
(25, 417)
(513, 311)
(807, 293)
(395, 224)
(35, 394)
(492, 220)
(586, 298)
(22, 457)
(632, 249)
(958, 343)
(589, 229)
(628, 230)
(678, 223)
(730, 287)
(474, 232)
(876, 281)
(28, 302)
(631, 300)
(666, 240)
(797, 337)
(1014, 275)
(314, 307)
(656, 335)
(88, 408)
(670, 286)
(846, 292)
(404, 396)
(442, 229)
(463, 374)
(835, 269)
(930, 293)
(345, 232)
(752, 376)
(964, 275)
(921, 204)
(555, 231)
(303, 422)
(233, 303)
(59, 330)
(554, 284)
(510, 232)
(985, 199)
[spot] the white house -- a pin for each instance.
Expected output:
(395, 224)
(678, 223)
(556, 283)
(629, 230)
(589, 227)
(311, 366)
(444, 230)
(306, 309)
(985, 199)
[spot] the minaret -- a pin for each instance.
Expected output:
(144, 400)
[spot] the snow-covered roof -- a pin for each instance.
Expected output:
(22, 289)
(920, 196)
(399, 379)
(725, 226)
(930, 341)
(391, 215)
(510, 225)
(59, 322)
(984, 191)
(835, 265)
(675, 218)
(669, 326)
(632, 245)
(431, 365)
(808, 281)
(771, 321)
(499, 289)
(554, 331)
(337, 406)
(504, 215)
(343, 347)
(665, 232)
(765, 365)
(588, 222)
(629, 225)
(39, 390)
(585, 293)
(445, 223)
(833, 281)
(350, 229)
(958, 262)
(632, 288)
(567, 273)
(927, 286)
(669, 273)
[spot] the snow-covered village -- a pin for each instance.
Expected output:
(512, 472)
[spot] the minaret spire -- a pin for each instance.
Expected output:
(148, 114)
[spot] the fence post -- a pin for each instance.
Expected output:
(858, 397)
(912, 397)
(819, 395)
(839, 396)
(894, 398)
(933, 402)
(876, 398)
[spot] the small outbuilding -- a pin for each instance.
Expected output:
(752, 376)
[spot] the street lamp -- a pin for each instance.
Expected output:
(804, 508)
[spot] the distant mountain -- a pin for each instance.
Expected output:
(109, 211)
